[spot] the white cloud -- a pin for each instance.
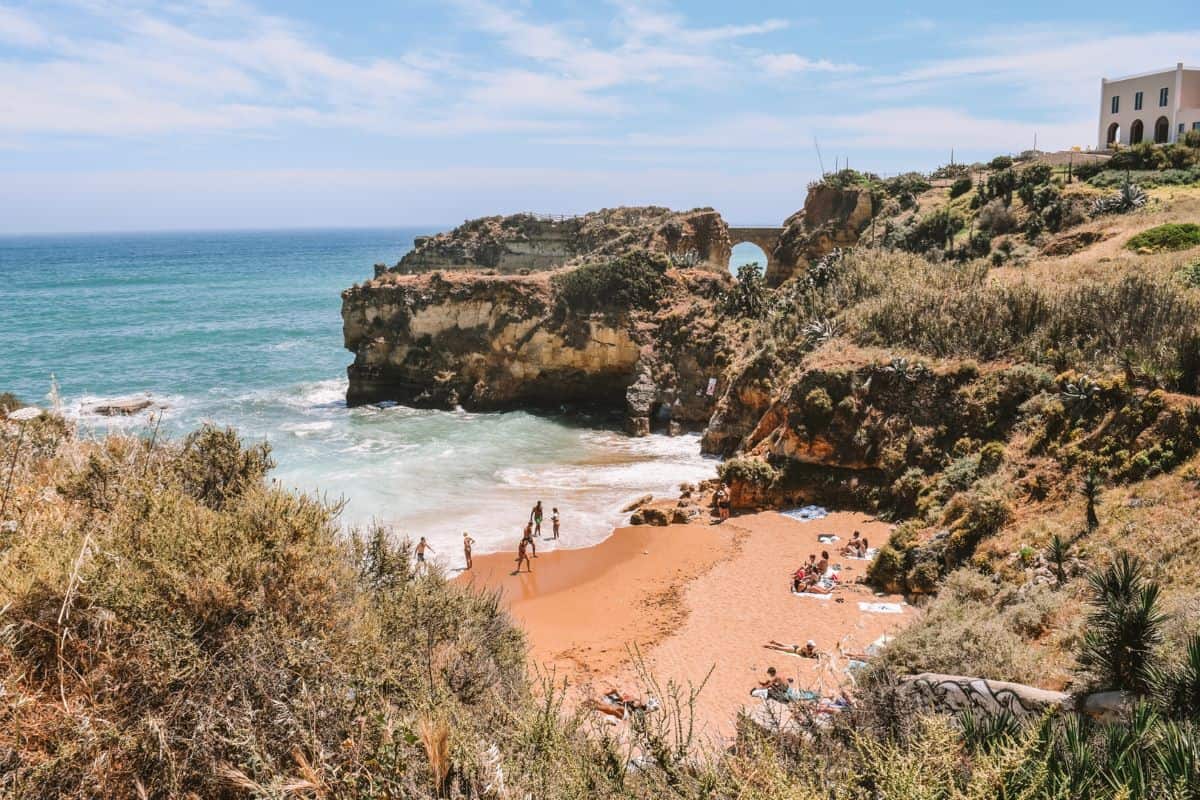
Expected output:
(784, 64)
(1049, 66)
(19, 29)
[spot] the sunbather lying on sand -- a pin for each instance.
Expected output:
(620, 705)
(808, 650)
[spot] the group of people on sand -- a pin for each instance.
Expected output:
(815, 576)
(527, 547)
(857, 547)
(775, 687)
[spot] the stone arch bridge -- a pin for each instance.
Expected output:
(767, 240)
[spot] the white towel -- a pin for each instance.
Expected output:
(814, 595)
(881, 608)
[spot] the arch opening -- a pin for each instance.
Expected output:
(1114, 135)
(1162, 131)
(1136, 132)
(745, 253)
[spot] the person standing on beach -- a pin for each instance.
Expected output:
(523, 556)
(535, 517)
(422, 546)
(554, 522)
(528, 538)
(467, 542)
(722, 500)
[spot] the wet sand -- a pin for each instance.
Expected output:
(693, 598)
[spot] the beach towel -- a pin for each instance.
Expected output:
(827, 538)
(813, 595)
(806, 513)
(881, 608)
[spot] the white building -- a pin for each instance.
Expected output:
(1152, 107)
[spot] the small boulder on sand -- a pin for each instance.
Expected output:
(636, 504)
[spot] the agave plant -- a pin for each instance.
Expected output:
(1081, 393)
(903, 369)
(1130, 197)
(820, 330)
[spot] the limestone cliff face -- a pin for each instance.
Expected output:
(503, 342)
(487, 343)
(831, 218)
(524, 243)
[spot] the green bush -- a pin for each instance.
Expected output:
(748, 297)
(1000, 162)
(752, 471)
(818, 409)
(1168, 237)
(1190, 275)
(961, 186)
(214, 468)
(634, 281)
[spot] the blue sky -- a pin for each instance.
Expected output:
(128, 115)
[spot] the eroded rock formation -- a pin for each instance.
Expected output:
(831, 218)
(506, 341)
(525, 243)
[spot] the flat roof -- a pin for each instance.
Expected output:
(1150, 74)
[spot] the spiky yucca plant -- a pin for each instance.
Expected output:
(1124, 628)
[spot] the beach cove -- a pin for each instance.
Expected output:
(690, 599)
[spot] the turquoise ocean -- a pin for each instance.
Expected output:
(244, 329)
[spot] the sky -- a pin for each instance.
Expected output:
(125, 115)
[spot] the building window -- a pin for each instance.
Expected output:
(1196, 126)
(1162, 97)
(1137, 101)
(1116, 104)
(1181, 127)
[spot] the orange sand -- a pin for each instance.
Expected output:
(693, 598)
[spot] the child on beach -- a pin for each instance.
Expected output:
(467, 542)
(554, 521)
(523, 556)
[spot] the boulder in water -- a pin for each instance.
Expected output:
(121, 407)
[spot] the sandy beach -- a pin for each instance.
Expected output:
(694, 598)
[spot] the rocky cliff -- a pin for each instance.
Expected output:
(525, 243)
(508, 341)
(832, 218)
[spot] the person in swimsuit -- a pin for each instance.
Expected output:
(523, 556)
(467, 542)
(722, 500)
(554, 521)
(851, 547)
(808, 650)
(528, 538)
(422, 546)
(535, 517)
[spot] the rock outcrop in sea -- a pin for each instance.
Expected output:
(616, 309)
